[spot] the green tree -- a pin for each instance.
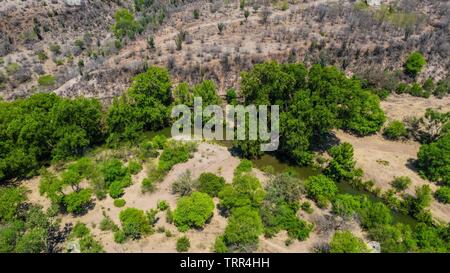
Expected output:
(394, 238)
(134, 223)
(246, 190)
(434, 160)
(414, 63)
(10, 200)
(346, 205)
(183, 95)
(183, 244)
(125, 24)
(443, 194)
(346, 242)
(210, 183)
(372, 214)
(395, 130)
(243, 229)
(77, 202)
(145, 106)
(342, 165)
(321, 189)
(193, 211)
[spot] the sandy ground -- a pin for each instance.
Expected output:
(401, 106)
(208, 158)
(400, 155)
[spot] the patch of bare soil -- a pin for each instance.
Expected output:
(398, 107)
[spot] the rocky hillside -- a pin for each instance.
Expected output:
(68, 46)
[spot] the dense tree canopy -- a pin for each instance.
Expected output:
(45, 127)
(312, 103)
(145, 106)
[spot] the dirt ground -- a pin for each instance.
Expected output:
(208, 158)
(370, 150)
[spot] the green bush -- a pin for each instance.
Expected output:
(87, 242)
(163, 205)
(134, 223)
(442, 88)
(244, 166)
(245, 190)
(284, 217)
(401, 183)
(434, 160)
(108, 224)
(394, 238)
(395, 130)
(125, 24)
(417, 91)
(443, 194)
(116, 189)
(342, 165)
(321, 189)
(116, 177)
(414, 63)
(12, 68)
(148, 185)
(55, 49)
(183, 244)
(211, 184)
(10, 200)
(46, 80)
(373, 214)
(346, 205)
(159, 141)
(119, 202)
(220, 246)
(346, 242)
(120, 237)
(134, 167)
(243, 229)
(193, 211)
(306, 206)
(416, 205)
(174, 153)
(42, 56)
(77, 202)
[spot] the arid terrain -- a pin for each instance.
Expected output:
(328, 31)
(68, 47)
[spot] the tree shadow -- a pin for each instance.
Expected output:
(325, 142)
(411, 164)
